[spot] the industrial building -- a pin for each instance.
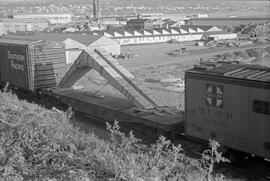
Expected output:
(15, 25)
(184, 33)
(60, 18)
(140, 24)
(74, 43)
(115, 22)
(229, 103)
(226, 21)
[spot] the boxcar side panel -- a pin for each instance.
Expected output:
(14, 65)
(259, 120)
(226, 112)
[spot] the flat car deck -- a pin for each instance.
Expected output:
(111, 107)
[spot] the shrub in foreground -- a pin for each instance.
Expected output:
(41, 144)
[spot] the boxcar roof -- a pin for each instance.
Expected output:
(237, 71)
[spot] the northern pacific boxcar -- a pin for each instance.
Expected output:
(229, 103)
(32, 64)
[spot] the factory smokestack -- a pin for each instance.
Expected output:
(96, 9)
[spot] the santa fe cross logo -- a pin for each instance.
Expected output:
(214, 95)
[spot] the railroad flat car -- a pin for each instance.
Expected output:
(38, 69)
(229, 103)
(32, 64)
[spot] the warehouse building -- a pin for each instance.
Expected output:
(60, 18)
(75, 43)
(184, 33)
(15, 25)
(137, 24)
(228, 102)
(226, 21)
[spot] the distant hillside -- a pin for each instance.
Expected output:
(120, 2)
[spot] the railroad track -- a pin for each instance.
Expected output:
(252, 168)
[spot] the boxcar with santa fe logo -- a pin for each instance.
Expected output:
(229, 103)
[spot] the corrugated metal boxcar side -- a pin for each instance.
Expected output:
(50, 64)
(32, 64)
(224, 109)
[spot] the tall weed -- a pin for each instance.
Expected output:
(41, 144)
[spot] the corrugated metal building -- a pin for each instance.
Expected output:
(184, 33)
(229, 103)
(75, 43)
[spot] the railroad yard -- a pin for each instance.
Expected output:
(162, 71)
(141, 90)
(151, 64)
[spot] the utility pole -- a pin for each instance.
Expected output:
(96, 9)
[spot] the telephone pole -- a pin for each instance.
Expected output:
(96, 9)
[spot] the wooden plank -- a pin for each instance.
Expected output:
(40, 83)
(48, 67)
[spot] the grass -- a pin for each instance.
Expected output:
(41, 144)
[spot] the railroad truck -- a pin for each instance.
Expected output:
(231, 104)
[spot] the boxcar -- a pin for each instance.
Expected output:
(32, 64)
(229, 103)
